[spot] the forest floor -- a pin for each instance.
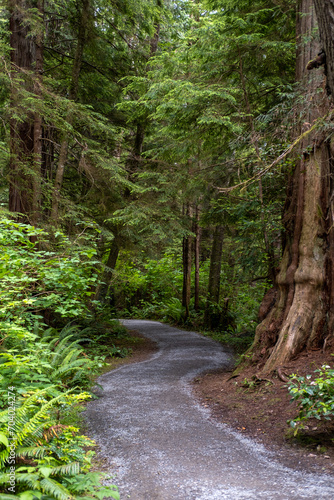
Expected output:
(262, 410)
(258, 410)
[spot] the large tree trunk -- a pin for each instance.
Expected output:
(303, 314)
(325, 15)
(25, 135)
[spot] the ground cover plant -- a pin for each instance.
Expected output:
(315, 395)
(46, 372)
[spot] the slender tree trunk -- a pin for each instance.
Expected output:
(197, 231)
(104, 288)
(73, 93)
(303, 314)
(142, 125)
(38, 129)
(211, 315)
(155, 39)
(187, 257)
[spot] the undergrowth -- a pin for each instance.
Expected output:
(47, 370)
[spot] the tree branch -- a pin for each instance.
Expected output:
(257, 176)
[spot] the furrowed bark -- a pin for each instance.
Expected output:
(302, 317)
(325, 16)
(26, 134)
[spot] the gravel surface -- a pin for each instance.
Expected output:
(161, 444)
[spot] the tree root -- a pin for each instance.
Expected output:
(282, 375)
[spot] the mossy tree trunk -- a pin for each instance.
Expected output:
(302, 316)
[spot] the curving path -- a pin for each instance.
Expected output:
(162, 445)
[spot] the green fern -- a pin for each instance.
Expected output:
(31, 418)
(54, 489)
(46, 476)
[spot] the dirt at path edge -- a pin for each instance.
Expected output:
(261, 411)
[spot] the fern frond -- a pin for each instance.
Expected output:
(4, 496)
(72, 355)
(55, 489)
(28, 478)
(77, 376)
(33, 424)
(62, 349)
(68, 330)
(31, 451)
(68, 368)
(4, 454)
(67, 469)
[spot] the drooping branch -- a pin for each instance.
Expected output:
(296, 142)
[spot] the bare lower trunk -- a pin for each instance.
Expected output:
(298, 319)
(197, 232)
(186, 289)
(212, 314)
(104, 288)
(186, 261)
(303, 315)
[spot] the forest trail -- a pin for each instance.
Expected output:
(162, 445)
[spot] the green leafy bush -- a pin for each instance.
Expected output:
(314, 394)
(62, 364)
(48, 369)
(35, 281)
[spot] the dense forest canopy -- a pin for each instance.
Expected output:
(161, 159)
(171, 131)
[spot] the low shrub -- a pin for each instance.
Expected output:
(315, 395)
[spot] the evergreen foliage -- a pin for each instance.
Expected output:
(124, 127)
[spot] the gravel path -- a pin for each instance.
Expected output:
(162, 445)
